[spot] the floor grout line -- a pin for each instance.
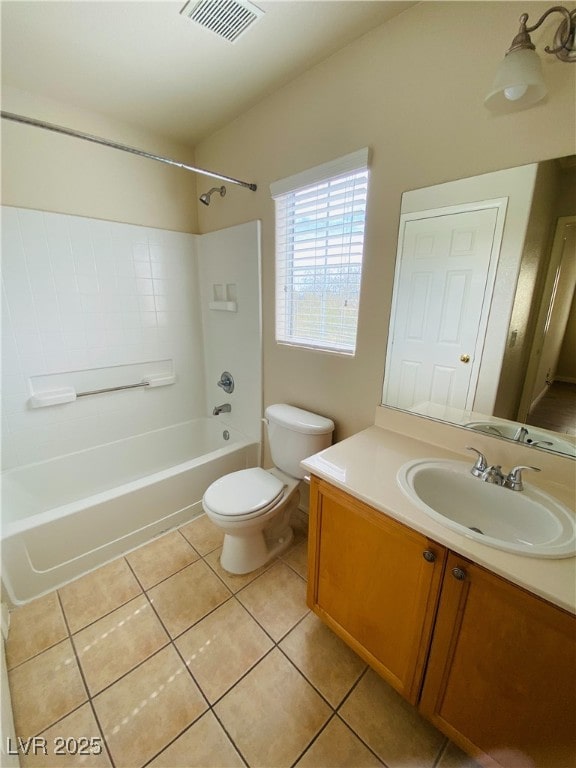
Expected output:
(275, 644)
(210, 706)
(313, 740)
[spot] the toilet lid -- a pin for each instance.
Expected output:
(243, 492)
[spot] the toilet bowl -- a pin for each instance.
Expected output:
(254, 506)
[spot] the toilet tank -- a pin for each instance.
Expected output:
(294, 435)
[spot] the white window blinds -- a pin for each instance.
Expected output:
(320, 216)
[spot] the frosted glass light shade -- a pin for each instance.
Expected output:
(518, 83)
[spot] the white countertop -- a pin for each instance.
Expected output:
(365, 466)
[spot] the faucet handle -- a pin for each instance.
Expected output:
(226, 382)
(514, 477)
(480, 465)
(521, 435)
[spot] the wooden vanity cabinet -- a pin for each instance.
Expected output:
(375, 582)
(490, 664)
(501, 674)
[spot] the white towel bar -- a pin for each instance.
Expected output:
(69, 394)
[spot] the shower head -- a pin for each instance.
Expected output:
(205, 198)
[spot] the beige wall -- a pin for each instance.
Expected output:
(517, 380)
(567, 196)
(567, 207)
(52, 172)
(413, 91)
(566, 370)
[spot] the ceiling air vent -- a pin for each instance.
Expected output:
(226, 18)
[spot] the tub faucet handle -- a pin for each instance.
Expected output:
(226, 382)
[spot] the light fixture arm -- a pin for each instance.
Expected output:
(563, 40)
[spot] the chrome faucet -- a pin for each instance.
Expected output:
(514, 478)
(480, 465)
(226, 382)
(521, 435)
(493, 473)
(225, 408)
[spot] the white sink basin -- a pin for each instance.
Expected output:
(534, 435)
(528, 522)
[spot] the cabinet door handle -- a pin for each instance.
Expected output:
(459, 573)
(429, 556)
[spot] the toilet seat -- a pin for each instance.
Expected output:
(243, 494)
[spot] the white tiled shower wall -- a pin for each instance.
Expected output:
(229, 261)
(80, 293)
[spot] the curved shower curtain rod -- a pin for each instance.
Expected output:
(114, 145)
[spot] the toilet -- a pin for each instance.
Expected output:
(254, 506)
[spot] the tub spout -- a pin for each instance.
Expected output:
(225, 408)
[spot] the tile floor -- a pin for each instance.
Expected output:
(167, 661)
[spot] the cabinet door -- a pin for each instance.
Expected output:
(370, 582)
(501, 678)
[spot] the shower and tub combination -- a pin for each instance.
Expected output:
(68, 515)
(123, 464)
(115, 337)
(91, 470)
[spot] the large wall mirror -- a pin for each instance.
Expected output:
(483, 324)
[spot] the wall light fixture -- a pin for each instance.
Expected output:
(519, 81)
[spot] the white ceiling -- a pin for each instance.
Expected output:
(146, 64)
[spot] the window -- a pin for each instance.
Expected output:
(320, 216)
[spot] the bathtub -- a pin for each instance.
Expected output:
(64, 517)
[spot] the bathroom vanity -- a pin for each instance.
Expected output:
(482, 641)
